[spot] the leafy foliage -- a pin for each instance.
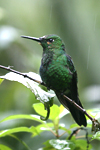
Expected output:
(40, 94)
(54, 126)
(3, 147)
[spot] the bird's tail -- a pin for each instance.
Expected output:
(78, 116)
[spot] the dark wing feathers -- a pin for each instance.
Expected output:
(73, 94)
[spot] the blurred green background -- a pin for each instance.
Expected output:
(77, 22)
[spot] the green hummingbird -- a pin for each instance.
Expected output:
(58, 73)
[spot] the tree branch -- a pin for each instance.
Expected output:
(95, 123)
(75, 132)
(23, 74)
(78, 107)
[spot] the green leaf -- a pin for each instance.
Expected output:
(21, 116)
(66, 144)
(62, 127)
(95, 113)
(96, 136)
(1, 80)
(3, 147)
(63, 111)
(60, 144)
(54, 110)
(21, 141)
(48, 146)
(81, 145)
(74, 125)
(43, 127)
(39, 93)
(39, 108)
(61, 108)
(18, 129)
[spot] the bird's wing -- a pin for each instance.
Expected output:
(73, 86)
(73, 94)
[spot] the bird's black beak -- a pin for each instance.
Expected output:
(32, 38)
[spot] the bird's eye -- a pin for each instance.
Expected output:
(50, 40)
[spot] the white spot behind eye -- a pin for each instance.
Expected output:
(51, 40)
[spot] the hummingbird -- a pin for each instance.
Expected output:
(59, 74)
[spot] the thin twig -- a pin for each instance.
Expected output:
(62, 133)
(78, 107)
(96, 124)
(17, 72)
(52, 131)
(75, 132)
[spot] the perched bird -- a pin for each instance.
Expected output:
(58, 73)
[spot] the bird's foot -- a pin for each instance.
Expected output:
(48, 88)
(62, 93)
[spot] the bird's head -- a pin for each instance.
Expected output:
(51, 41)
